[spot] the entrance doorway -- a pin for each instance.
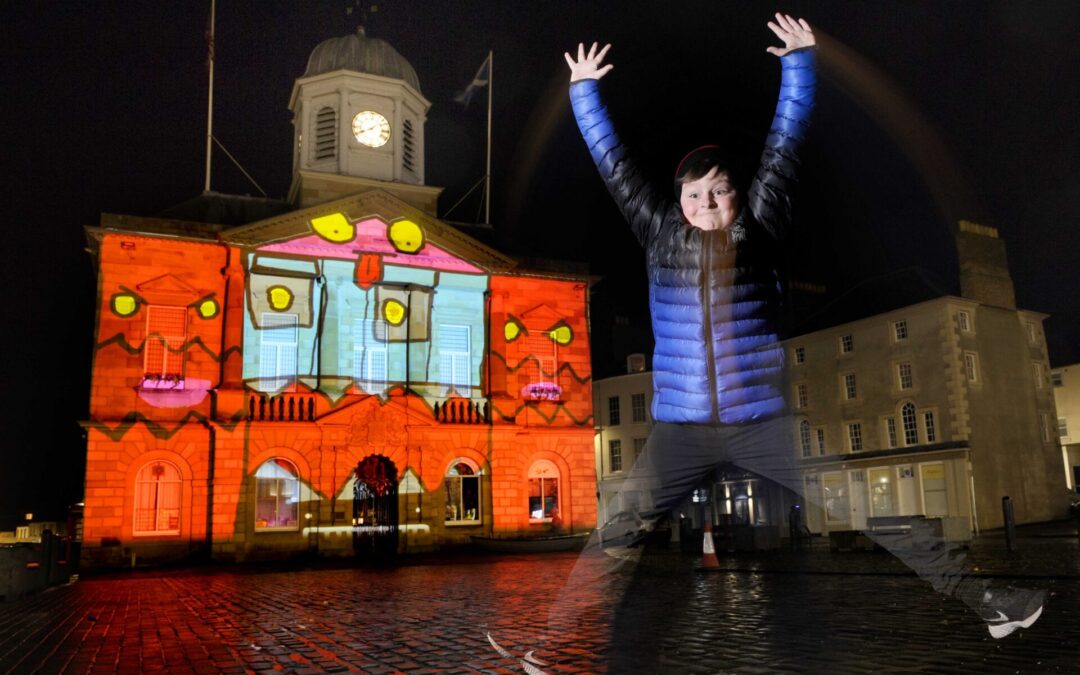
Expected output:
(375, 508)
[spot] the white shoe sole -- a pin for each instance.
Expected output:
(1000, 630)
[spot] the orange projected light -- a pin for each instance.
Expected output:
(334, 228)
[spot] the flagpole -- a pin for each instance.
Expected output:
(487, 173)
(210, 98)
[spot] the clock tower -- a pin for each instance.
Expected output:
(358, 124)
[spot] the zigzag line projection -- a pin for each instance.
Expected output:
(120, 341)
(158, 431)
(549, 419)
(582, 379)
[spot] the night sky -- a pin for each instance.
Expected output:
(928, 112)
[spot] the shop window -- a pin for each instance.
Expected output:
(543, 491)
(935, 496)
(836, 497)
(882, 502)
(277, 496)
(462, 486)
(157, 500)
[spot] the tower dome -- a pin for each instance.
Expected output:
(361, 54)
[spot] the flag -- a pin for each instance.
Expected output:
(480, 80)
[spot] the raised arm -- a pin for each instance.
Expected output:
(769, 197)
(641, 205)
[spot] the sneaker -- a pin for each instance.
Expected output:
(1007, 609)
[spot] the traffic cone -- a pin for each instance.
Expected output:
(709, 561)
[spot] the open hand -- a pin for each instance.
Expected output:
(588, 66)
(794, 33)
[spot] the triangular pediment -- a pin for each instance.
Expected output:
(296, 228)
(168, 286)
(540, 314)
(393, 409)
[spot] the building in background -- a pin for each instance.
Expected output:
(1066, 386)
(339, 374)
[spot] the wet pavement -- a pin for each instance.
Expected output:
(761, 613)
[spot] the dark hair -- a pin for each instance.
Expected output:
(700, 161)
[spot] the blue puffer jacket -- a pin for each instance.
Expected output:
(713, 294)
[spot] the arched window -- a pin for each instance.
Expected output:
(462, 484)
(543, 491)
(157, 499)
(277, 499)
(325, 133)
(804, 438)
(911, 429)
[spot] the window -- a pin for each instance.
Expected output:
(543, 491)
(1032, 333)
(545, 351)
(454, 359)
(325, 133)
(277, 496)
(911, 430)
(800, 355)
(801, 398)
(462, 486)
(836, 497)
(850, 390)
(277, 351)
(157, 500)
(971, 366)
(928, 426)
(805, 442)
(855, 436)
(1044, 426)
(900, 332)
(1057, 379)
(964, 320)
(820, 441)
(903, 371)
(935, 496)
(615, 455)
(881, 492)
(369, 355)
(637, 407)
(613, 411)
(639, 447)
(890, 431)
(166, 332)
(1037, 372)
(847, 344)
(1063, 427)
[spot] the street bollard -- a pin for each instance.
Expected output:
(1010, 523)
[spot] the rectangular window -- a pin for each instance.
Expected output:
(801, 398)
(854, 431)
(639, 447)
(1063, 427)
(929, 428)
(166, 332)
(900, 330)
(277, 351)
(1037, 372)
(847, 344)
(964, 319)
(903, 372)
(637, 407)
(455, 358)
(911, 428)
(369, 355)
(804, 439)
(1033, 334)
(850, 390)
(613, 411)
(881, 492)
(1057, 379)
(890, 430)
(971, 366)
(1044, 426)
(935, 495)
(820, 441)
(615, 455)
(545, 351)
(800, 355)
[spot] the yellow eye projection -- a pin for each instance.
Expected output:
(562, 335)
(334, 227)
(280, 298)
(406, 236)
(394, 312)
(208, 309)
(124, 304)
(512, 330)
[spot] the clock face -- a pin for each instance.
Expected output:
(371, 129)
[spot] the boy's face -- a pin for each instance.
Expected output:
(710, 202)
